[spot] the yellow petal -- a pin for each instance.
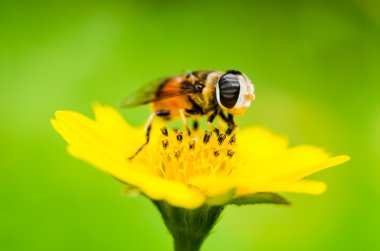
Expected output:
(286, 163)
(81, 131)
(113, 125)
(88, 143)
(187, 172)
(306, 170)
(258, 142)
(302, 186)
(212, 185)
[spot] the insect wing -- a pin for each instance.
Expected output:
(159, 90)
(142, 96)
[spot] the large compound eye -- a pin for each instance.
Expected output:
(229, 90)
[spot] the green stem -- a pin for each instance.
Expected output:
(189, 228)
(187, 245)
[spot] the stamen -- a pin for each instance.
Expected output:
(180, 154)
(177, 154)
(179, 136)
(165, 143)
(163, 167)
(192, 144)
(164, 131)
(230, 153)
(206, 137)
(232, 140)
(221, 138)
(216, 153)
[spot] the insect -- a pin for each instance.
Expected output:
(213, 94)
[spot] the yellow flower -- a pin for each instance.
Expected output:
(192, 171)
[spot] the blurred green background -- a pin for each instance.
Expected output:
(316, 69)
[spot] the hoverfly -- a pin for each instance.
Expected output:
(196, 94)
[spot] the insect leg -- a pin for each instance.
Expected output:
(195, 125)
(231, 124)
(224, 118)
(211, 119)
(148, 128)
(184, 122)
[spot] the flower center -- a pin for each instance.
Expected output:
(176, 156)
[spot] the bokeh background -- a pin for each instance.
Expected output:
(316, 67)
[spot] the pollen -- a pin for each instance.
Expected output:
(182, 156)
